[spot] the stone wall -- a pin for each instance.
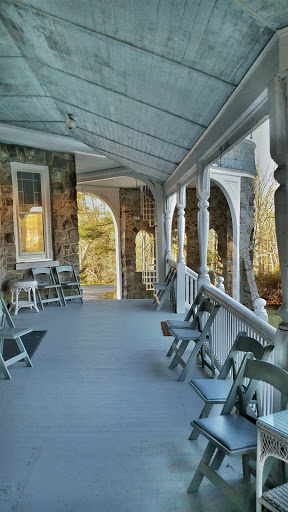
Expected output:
(132, 287)
(63, 205)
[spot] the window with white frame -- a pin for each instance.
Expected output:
(32, 222)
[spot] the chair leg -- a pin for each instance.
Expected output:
(189, 362)
(245, 467)
(204, 414)
(218, 459)
(198, 475)
(170, 351)
(58, 296)
(180, 353)
(4, 369)
(22, 350)
(63, 296)
(39, 298)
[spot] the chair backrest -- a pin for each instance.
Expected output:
(43, 275)
(66, 273)
(171, 277)
(256, 371)
(205, 307)
(192, 310)
(168, 275)
(244, 343)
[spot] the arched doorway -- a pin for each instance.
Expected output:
(97, 245)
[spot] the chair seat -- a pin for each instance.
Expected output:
(70, 283)
(44, 286)
(185, 334)
(178, 324)
(234, 432)
(160, 286)
(211, 390)
(11, 333)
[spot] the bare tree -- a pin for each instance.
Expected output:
(265, 244)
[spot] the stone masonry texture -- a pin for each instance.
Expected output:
(64, 223)
(132, 286)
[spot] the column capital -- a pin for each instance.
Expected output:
(181, 196)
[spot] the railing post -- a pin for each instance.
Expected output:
(260, 310)
(220, 283)
(278, 111)
(203, 194)
(180, 291)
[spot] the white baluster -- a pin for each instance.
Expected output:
(259, 309)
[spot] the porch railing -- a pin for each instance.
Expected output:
(232, 318)
(191, 286)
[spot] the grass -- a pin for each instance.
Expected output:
(273, 318)
(108, 295)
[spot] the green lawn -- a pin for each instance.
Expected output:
(274, 319)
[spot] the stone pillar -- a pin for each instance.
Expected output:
(278, 110)
(181, 202)
(203, 193)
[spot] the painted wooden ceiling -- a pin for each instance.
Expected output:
(143, 78)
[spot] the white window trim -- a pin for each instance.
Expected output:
(45, 191)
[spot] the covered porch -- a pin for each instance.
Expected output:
(100, 423)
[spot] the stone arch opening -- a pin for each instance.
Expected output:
(98, 242)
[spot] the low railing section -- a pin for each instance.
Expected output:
(191, 286)
(232, 318)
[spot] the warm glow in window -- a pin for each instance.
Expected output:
(31, 229)
(31, 212)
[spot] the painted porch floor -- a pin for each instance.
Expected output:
(100, 424)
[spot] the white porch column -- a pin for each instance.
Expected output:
(278, 110)
(159, 232)
(181, 203)
(203, 194)
(168, 226)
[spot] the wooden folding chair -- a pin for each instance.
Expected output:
(70, 286)
(216, 391)
(236, 434)
(9, 332)
(46, 284)
(193, 333)
(182, 324)
(162, 290)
